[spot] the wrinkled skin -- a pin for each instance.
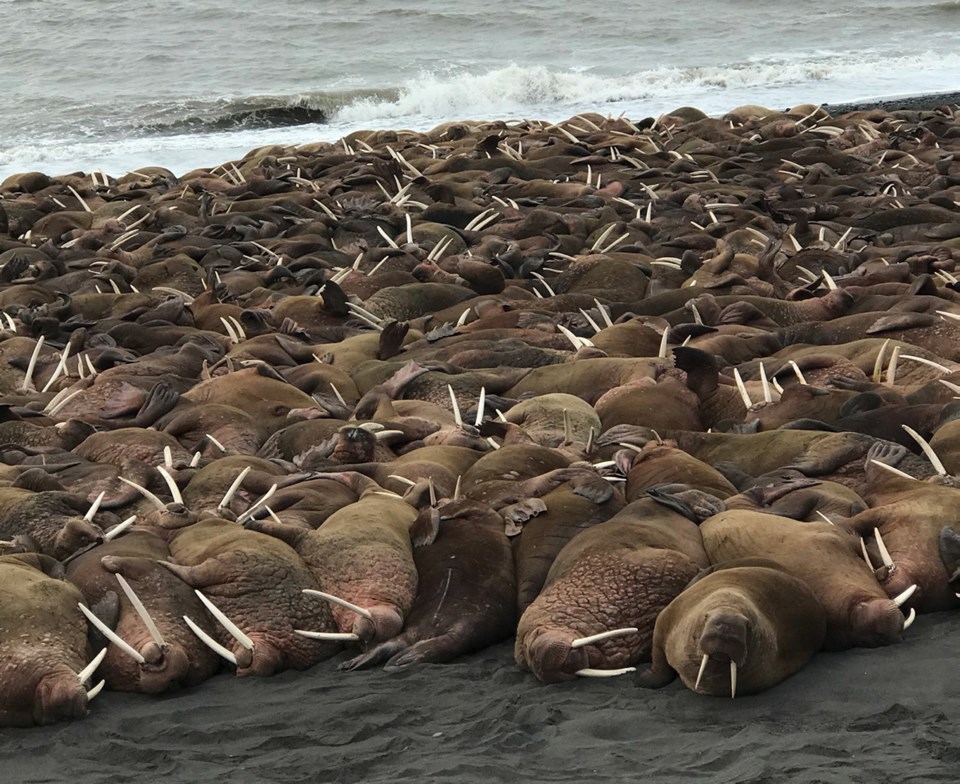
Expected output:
(749, 612)
(859, 612)
(50, 522)
(182, 660)
(617, 574)
(258, 583)
(43, 644)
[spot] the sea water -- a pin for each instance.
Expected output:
(112, 85)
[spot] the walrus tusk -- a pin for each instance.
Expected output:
(831, 284)
(902, 598)
(825, 518)
(28, 378)
(234, 338)
(333, 636)
(866, 555)
(481, 404)
(463, 317)
(893, 470)
(62, 402)
(878, 363)
(118, 529)
(928, 363)
(249, 513)
(212, 644)
(948, 315)
(767, 395)
(911, 617)
(61, 366)
(927, 450)
(546, 285)
(577, 342)
(733, 679)
(581, 641)
(456, 407)
(167, 457)
(141, 611)
(744, 395)
(662, 353)
(456, 489)
(229, 625)
(388, 238)
(604, 313)
(407, 482)
(95, 690)
(145, 493)
(95, 506)
(703, 668)
(111, 635)
(195, 460)
(797, 372)
(892, 367)
(171, 485)
(231, 491)
(590, 321)
(589, 672)
(84, 675)
(342, 602)
(884, 552)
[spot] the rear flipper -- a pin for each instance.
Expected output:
(435, 650)
(375, 656)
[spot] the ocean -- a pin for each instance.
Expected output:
(109, 85)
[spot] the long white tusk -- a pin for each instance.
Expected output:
(577, 343)
(927, 362)
(823, 517)
(114, 532)
(866, 555)
(145, 493)
(95, 506)
(581, 641)
(229, 625)
(480, 406)
(231, 491)
(456, 408)
(767, 394)
(28, 379)
(733, 679)
(911, 617)
(342, 602)
(797, 372)
(892, 470)
(216, 443)
(884, 552)
(171, 485)
(211, 643)
(95, 690)
(703, 668)
(456, 489)
(927, 450)
(892, 367)
(84, 675)
(590, 321)
(902, 598)
(663, 343)
(167, 457)
(54, 410)
(588, 672)
(604, 313)
(333, 636)
(195, 460)
(744, 395)
(141, 611)
(878, 363)
(111, 635)
(253, 507)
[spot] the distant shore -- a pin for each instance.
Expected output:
(924, 102)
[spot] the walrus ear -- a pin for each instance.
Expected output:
(426, 527)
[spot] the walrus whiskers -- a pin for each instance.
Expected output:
(927, 450)
(111, 635)
(581, 641)
(84, 675)
(141, 611)
(342, 602)
(227, 624)
(211, 643)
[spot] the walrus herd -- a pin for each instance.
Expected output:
(669, 397)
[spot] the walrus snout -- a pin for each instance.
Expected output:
(552, 658)
(725, 636)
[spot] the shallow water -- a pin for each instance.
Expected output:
(108, 85)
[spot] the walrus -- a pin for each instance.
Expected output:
(740, 627)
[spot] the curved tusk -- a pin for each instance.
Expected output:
(911, 617)
(229, 625)
(825, 518)
(342, 602)
(581, 641)
(84, 675)
(216, 443)
(902, 598)
(28, 378)
(95, 506)
(95, 690)
(480, 406)
(703, 668)
(141, 611)
(744, 395)
(892, 366)
(331, 636)
(171, 485)
(878, 363)
(927, 450)
(167, 457)
(589, 672)
(211, 643)
(456, 407)
(111, 635)
(797, 372)
(118, 529)
(733, 679)
(884, 552)
(892, 470)
(767, 394)
(253, 507)
(146, 494)
(866, 555)
(232, 490)
(662, 353)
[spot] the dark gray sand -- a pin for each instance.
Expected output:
(915, 102)
(871, 716)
